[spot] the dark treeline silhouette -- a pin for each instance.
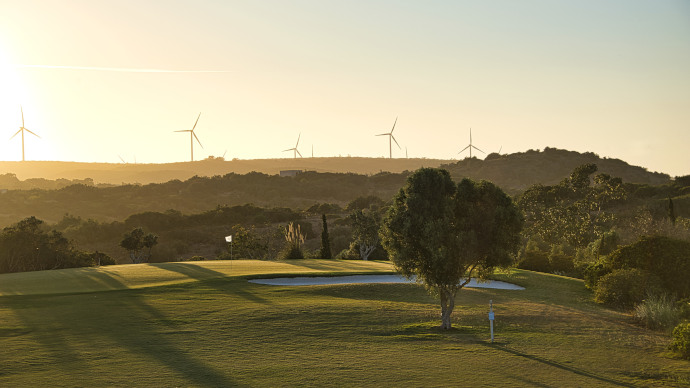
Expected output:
(195, 195)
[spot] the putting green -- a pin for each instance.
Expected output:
(119, 277)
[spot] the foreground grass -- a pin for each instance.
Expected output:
(228, 332)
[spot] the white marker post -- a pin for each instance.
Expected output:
(491, 319)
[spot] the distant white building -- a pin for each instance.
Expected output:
(290, 172)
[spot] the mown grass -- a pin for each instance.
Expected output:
(228, 332)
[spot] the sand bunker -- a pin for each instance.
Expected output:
(361, 279)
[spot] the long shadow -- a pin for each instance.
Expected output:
(213, 279)
(555, 364)
(121, 317)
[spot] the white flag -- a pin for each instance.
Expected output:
(228, 238)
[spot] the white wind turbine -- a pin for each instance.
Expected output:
(391, 139)
(192, 136)
(22, 129)
(471, 146)
(295, 148)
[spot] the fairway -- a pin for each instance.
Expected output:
(121, 277)
(205, 325)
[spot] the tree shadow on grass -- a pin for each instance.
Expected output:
(62, 324)
(555, 364)
(217, 280)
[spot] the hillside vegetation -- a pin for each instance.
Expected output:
(330, 180)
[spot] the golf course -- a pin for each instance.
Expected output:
(203, 324)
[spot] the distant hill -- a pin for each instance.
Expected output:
(516, 172)
(119, 173)
(513, 172)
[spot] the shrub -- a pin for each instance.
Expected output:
(624, 288)
(666, 258)
(196, 258)
(534, 260)
(593, 272)
(657, 312)
(560, 262)
(295, 239)
(681, 340)
(292, 252)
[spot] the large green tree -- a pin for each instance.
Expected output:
(444, 234)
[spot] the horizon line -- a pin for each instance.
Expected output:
(119, 69)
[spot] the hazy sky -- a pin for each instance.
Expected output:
(611, 77)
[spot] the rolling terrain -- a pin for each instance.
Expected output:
(203, 324)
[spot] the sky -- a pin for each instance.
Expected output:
(105, 81)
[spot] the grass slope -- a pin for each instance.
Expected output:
(121, 277)
(228, 332)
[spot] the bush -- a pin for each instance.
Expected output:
(593, 272)
(666, 258)
(681, 340)
(624, 288)
(657, 312)
(196, 258)
(535, 261)
(562, 263)
(292, 252)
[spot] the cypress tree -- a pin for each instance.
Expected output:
(671, 211)
(325, 241)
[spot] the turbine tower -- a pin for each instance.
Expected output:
(192, 136)
(295, 148)
(471, 146)
(22, 129)
(391, 139)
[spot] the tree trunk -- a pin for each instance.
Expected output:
(447, 305)
(365, 250)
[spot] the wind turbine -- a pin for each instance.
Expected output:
(471, 146)
(295, 149)
(22, 129)
(391, 139)
(192, 136)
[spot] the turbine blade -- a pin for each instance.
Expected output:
(300, 135)
(289, 149)
(464, 149)
(22, 109)
(32, 133)
(383, 134)
(184, 130)
(197, 139)
(396, 142)
(123, 161)
(396, 120)
(300, 154)
(197, 120)
(17, 133)
(478, 149)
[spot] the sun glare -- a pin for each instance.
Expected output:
(13, 95)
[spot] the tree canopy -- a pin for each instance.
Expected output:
(443, 234)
